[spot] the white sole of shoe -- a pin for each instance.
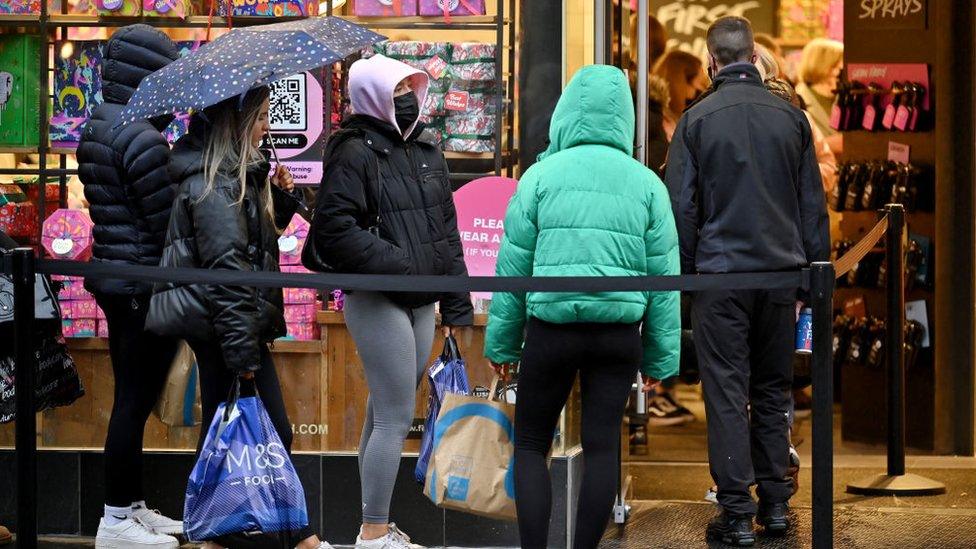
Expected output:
(111, 543)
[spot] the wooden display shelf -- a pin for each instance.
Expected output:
(280, 345)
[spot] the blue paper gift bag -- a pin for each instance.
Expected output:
(243, 480)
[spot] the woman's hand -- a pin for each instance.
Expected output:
(504, 371)
(448, 331)
(649, 383)
(283, 178)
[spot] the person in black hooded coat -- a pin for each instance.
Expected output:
(130, 193)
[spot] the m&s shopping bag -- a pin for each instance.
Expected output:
(243, 479)
(471, 467)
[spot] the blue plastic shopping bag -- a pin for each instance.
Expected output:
(243, 479)
(447, 375)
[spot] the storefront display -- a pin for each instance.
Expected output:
(19, 90)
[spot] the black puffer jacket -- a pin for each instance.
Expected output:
(418, 229)
(212, 231)
(124, 170)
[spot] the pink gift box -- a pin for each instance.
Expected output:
(67, 234)
(83, 327)
(292, 240)
(303, 331)
(294, 269)
(79, 309)
(385, 8)
(73, 288)
(452, 7)
(102, 328)
(300, 313)
(299, 296)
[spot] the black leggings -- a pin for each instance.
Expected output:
(215, 383)
(607, 357)
(140, 363)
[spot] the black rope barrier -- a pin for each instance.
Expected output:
(428, 283)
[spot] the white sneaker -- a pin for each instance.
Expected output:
(158, 522)
(325, 545)
(394, 539)
(131, 534)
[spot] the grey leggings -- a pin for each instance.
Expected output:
(394, 345)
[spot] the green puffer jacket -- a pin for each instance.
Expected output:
(589, 209)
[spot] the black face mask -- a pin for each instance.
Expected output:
(406, 109)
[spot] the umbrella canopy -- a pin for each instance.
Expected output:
(242, 59)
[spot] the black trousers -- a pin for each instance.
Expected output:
(606, 357)
(744, 341)
(140, 363)
(215, 383)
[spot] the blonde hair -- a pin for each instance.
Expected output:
(766, 63)
(228, 149)
(819, 58)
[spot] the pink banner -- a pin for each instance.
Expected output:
(481, 206)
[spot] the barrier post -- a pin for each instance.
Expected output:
(22, 275)
(896, 481)
(822, 369)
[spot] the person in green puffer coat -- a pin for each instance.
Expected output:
(586, 209)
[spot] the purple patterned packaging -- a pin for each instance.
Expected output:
(77, 89)
(452, 8)
(385, 8)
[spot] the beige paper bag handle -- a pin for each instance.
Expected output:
(494, 389)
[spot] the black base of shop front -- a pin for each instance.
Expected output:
(71, 498)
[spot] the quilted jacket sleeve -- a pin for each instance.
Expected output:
(147, 182)
(221, 239)
(662, 321)
(340, 206)
(506, 321)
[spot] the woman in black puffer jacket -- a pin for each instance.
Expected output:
(224, 217)
(385, 207)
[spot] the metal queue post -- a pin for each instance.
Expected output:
(895, 482)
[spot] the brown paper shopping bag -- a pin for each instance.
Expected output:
(179, 403)
(471, 465)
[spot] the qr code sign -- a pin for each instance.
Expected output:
(289, 104)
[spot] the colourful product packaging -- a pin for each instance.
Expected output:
(116, 8)
(294, 269)
(102, 328)
(73, 288)
(20, 7)
(452, 8)
(469, 133)
(292, 241)
(385, 8)
(19, 220)
(167, 8)
(265, 8)
(79, 308)
(67, 234)
(473, 61)
(77, 89)
(297, 314)
(303, 331)
(83, 327)
(299, 296)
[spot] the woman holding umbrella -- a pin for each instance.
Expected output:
(224, 217)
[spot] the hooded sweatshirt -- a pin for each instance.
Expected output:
(124, 170)
(589, 209)
(372, 166)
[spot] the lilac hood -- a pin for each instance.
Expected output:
(371, 85)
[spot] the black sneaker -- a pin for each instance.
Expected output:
(685, 413)
(774, 518)
(730, 530)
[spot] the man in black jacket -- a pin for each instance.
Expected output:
(747, 196)
(130, 193)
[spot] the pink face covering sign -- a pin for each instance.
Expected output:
(481, 206)
(296, 126)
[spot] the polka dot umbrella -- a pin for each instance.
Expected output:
(242, 59)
